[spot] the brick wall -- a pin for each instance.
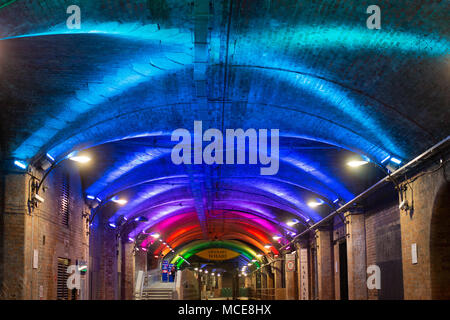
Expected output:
(383, 245)
(42, 230)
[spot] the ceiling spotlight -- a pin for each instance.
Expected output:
(212, 273)
(259, 255)
(292, 222)
(218, 274)
(119, 201)
(277, 237)
(254, 260)
(20, 164)
(80, 159)
(130, 239)
(156, 235)
(249, 264)
(357, 163)
(315, 203)
(200, 270)
(395, 160)
(112, 225)
(268, 246)
(90, 197)
(196, 269)
(206, 271)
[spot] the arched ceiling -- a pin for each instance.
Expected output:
(137, 70)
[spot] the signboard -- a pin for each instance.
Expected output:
(290, 262)
(304, 291)
(164, 268)
(218, 254)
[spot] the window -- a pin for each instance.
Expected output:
(64, 205)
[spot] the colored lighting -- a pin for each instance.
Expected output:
(50, 157)
(90, 197)
(141, 219)
(316, 203)
(20, 164)
(112, 225)
(336, 201)
(130, 239)
(80, 159)
(268, 246)
(156, 235)
(395, 160)
(259, 255)
(276, 237)
(254, 260)
(356, 163)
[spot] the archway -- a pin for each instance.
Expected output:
(439, 244)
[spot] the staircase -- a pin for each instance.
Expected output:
(157, 294)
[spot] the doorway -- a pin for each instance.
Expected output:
(343, 270)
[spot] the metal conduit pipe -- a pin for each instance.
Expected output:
(431, 151)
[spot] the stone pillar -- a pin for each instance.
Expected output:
(128, 270)
(356, 255)
(325, 264)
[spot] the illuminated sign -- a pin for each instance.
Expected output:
(217, 254)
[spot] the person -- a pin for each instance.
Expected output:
(173, 272)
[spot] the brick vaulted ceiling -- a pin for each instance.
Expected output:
(137, 70)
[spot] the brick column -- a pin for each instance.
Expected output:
(302, 270)
(356, 255)
(325, 264)
(128, 270)
(290, 277)
(277, 274)
(13, 246)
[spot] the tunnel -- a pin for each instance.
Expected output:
(224, 150)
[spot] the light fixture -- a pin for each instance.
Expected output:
(206, 271)
(259, 255)
(212, 273)
(268, 246)
(292, 222)
(249, 264)
(156, 235)
(196, 269)
(160, 240)
(254, 260)
(130, 239)
(385, 159)
(119, 201)
(336, 200)
(356, 163)
(315, 203)
(200, 270)
(20, 164)
(143, 248)
(277, 237)
(112, 225)
(90, 197)
(218, 274)
(80, 159)
(396, 161)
